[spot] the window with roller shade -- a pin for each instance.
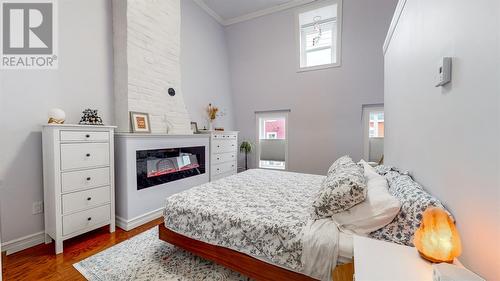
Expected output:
(373, 132)
(272, 145)
(319, 35)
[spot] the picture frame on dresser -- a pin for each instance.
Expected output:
(78, 179)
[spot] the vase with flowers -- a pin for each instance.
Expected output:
(212, 114)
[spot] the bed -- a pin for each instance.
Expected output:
(258, 223)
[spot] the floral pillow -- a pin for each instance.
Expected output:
(341, 162)
(343, 188)
(414, 200)
(384, 169)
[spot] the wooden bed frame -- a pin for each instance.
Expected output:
(243, 263)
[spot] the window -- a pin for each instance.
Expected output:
(373, 132)
(319, 35)
(272, 139)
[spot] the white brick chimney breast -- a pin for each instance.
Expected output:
(146, 40)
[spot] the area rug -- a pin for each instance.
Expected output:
(147, 258)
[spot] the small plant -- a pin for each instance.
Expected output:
(246, 148)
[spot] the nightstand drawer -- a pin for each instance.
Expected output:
(84, 136)
(86, 219)
(86, 199)
(223, 168)
(224, 157)
(84, 155)
(73, 181)
(222, 146)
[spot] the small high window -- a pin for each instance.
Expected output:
(318, 36)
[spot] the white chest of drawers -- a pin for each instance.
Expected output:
(223, 154)
(78, 175)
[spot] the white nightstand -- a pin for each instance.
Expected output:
(376, 260)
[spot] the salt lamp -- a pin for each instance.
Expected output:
(437, 238)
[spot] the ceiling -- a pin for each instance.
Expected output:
(228, 12)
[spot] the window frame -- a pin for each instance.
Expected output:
(272, 114)
(298, 35)
(366, 110)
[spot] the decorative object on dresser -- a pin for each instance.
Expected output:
(152, 167)
(56, 116)
(212, 114)
(223, 154)
(140, 122)
(437, 238)
(78, 174)
(194, 128)
(246, 148)
(90, 117)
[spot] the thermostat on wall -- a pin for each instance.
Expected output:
(444, 72)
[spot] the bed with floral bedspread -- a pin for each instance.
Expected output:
(265, 214)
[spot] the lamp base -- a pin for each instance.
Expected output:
(433, 260)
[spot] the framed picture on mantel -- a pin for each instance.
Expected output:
(140, 122)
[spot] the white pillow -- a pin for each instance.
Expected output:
(379, 208)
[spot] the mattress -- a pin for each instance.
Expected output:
(261, 213)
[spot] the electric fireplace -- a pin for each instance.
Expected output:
(159, 166)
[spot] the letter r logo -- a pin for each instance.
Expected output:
(27, 28)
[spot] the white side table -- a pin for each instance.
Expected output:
(376, 260)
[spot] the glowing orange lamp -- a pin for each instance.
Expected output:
(437, 238)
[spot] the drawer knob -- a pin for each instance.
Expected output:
(87, 136)
(88, 154)
(218, 146)
(89, 198)
(88, 179)
(218, 158)
(89, 218)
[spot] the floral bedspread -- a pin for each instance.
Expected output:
(258, 212)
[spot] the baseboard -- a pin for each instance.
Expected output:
(28, 241)
(139, 220)
(19, 244)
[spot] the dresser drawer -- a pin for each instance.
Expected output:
(223, 175)
(224, 136)
(86, 219)
(72, 181)
(84, 136)
(224, 157)
(86, 199)
(224, 168)
(222, 146)
(84, 155)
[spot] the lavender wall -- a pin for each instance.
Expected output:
(325, 117)
(204, 66)
(452, 145)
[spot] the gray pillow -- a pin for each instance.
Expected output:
(414, 200)
(343, 188)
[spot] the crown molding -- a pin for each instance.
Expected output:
(209, 11)
(252, 15)
(394, 23)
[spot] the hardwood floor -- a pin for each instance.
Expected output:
(41, 263)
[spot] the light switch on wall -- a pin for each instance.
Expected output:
(37, 207)
(444, 71)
